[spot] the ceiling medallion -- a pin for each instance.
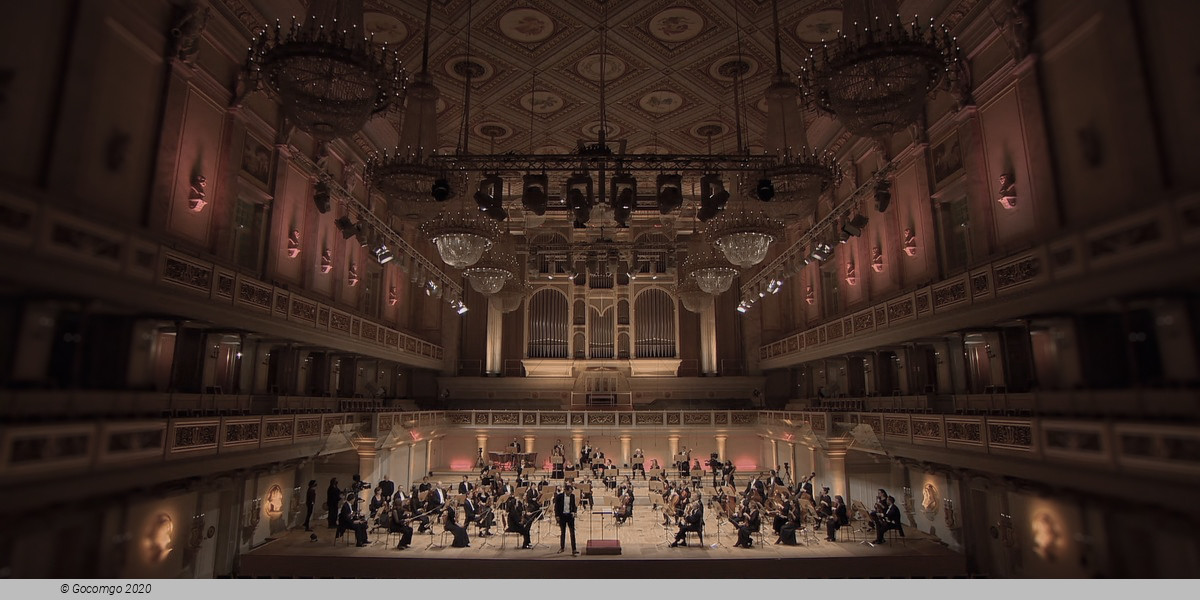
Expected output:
(330, 78)
(461, 236)
(875, 76)
(526, 25)
(589, 67)
(676, 24)
(542, 102)
(711, 272)
(385, 28)
(819, 26)
(744, 236)
(460, 67)
(660, 102)
(726, 69)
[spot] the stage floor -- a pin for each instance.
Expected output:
(645, 552)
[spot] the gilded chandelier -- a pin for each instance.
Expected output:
(713, 274)
(744, 236)
(461, 236)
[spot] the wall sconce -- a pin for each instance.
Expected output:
(326, 260)
(213, 352)
(851, 274)
(937, 356)
(910, 242)
(253, 517)
(352, 276)
(948, 513)
(293, 246)
(1007, 532)
(988, 348)
(877, 259)
(392, 296)
(196, 195)
(908, 500)
(195, 539)
(809, 296)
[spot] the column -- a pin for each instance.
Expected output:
(708, 338)
(721, 439)
(673, 444)
(481, 446)
(493, 364)
(529, 440)
(577, 441)
(839, 481)
(365, 447)
(625, 452)
(775, 457)
(792, 458)
(428, 456)
(412, 465)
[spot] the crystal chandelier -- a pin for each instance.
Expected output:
(329, 77)
(405, 174)
(712, 273)
(510, 296)
(461, 236)
(874, 77)
(744, 237)
(693, 298)
(497, 266)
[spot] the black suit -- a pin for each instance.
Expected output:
(346, 521)
(889, 520)
(388, 486)
(840, 517)
(693, 522)
(565, 509)
(465, 487)
(469, 511)
(310, 502)
(333, 496)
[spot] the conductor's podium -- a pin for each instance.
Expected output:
(602, 547)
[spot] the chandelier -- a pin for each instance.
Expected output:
(406, 174)
(497, 266)
(874, 77)
(461, 236)
(744, 237)
(329, 77)
(510, 296)
(711, 272)
(693, 298)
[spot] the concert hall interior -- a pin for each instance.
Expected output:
(722, 288)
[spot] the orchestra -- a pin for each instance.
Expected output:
(788, 511)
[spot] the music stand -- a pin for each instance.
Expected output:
(656, 473)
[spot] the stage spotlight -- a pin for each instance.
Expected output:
(822, 252)
(348, 228)
(533, 193)
(441, 190)
(668, 193)
(321, 197)
(712, 190)
(765, 190)
(855, 226)
(580, 198)
(362, 233)
(883, 195)
(383, 254)
(624, 197)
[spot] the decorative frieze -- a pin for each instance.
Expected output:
(187, 274)
(195, 437)
(1017, 436)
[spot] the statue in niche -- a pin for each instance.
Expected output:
(877, 259)
(350, 177)
(1008, 191)
(185, 35)
(1016, 27)
(159, 540)
(352, 276)
(1046, 537)
(910, 242)
(929, 500)
(293, 246)
(958, 83)
(851, 274)
(809, 296)
(392, 296)
(326, 260)
(196, 202)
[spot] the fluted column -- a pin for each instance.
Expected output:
(367, 465)
(529, 440)
(428, 455)
(775, 457)
(495, 332)
(721, 439)
(577, 441)
(625, 452)
(708, 338)
(795, 466)
(673, 444)
(839, 481)
(412, 465)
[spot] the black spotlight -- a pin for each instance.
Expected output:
(321, 197)
(624, 198)
(765, 190)
(883, 195)
(580, 198)
(855, 226)
(668, 193)
(441, 190)
(490, 197)
(713, 196)
(347, 228)
(533, 193)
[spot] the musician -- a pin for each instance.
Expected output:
(692, 521)
(880, 507)
(748, 521)
(781, 516)
(470, 510)
(515, 446)
(333, 497)
(436, 499)
(425, 485)
(824, 505)
(399, 523)
(310, 502)
(485, 475)
(639, 463)
(806, 485)
(464, 486)
(775, 479)
(388, 486)
(377, 501)
(557, 459)
(450, 522)
(793, 519)
(543, 483)
(485, 518)
(565, 509)
(348, 518)
(756, 485)
(890, 519)
(585, 493)
(727, 472)
(625, 510)
(585, 455)
(839, 518)
(683, 464)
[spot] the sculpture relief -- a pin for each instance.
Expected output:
(326, 260)
(877, 259)
(1016, 26)
(293, 245)
(851, 274)
(196, 194)
(352, 275)
(392, 296)
(185, 35)
(1008, 191)
(809, 296)
(910, 242)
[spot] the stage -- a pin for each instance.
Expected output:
(645, 553)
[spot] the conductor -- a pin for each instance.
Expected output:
(564, 511)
